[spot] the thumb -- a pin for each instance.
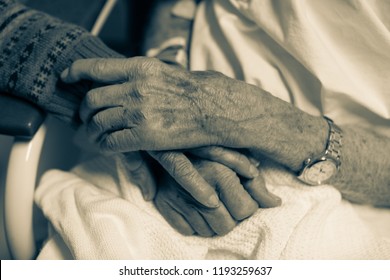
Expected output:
(108, 70)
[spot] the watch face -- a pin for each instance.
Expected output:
(320, 172)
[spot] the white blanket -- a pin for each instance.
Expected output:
(101, 215)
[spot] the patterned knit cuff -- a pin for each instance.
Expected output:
(34, 49)
(64, 103)
(88, 46)
(4, 4)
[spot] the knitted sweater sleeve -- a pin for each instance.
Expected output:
(34, 49)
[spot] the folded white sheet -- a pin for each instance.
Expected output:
(100, 215)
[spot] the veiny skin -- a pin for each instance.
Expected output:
(149, 105)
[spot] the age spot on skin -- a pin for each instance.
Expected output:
(168, 118)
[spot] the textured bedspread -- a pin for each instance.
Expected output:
(100, 215)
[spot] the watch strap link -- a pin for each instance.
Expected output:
(334, 143)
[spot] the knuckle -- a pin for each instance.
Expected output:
(138, 91)
(96, 123)
(212, 172)
(240, 158)
(229, 178)
(98, 67)
(166, 157)
(215, 167)
(215, 152)
(146, 65)
(182, 169)
(90, 99)
(108, 143)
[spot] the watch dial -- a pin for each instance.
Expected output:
(320, 172)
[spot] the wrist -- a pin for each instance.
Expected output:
(311, 142)
(321, 168)
(289, 137)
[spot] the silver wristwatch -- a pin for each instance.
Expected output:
(319, 169)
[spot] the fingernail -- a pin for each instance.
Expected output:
(277, 200)
(255, 162)
(254, 171)
(64, 74)
(145, 193)
(147, 196)
(213, 201)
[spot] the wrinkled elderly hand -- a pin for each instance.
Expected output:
(240, 198)
(177, 164)
(235, 206)
(182, 170)
(240, 188)
(154, 106)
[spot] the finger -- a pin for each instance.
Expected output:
(192, 216)
(219, 219)
(257, 189)
(254, 161)
(182, 170)
(175, 219)
(141, 172)
(113, 70)
(125, 140)
(110, 120)
(237, 200)
(181, 201)
(102, 98)
(107, 70)
(231, 158)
